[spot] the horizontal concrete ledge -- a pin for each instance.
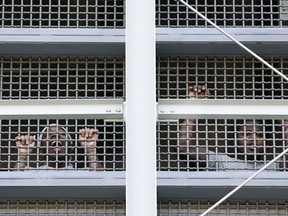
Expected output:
(111, 42)
(117, 178)
(111, 185)
(57, 35)
(221, 109)
(211, 34)
(167, 109)
(62, 108)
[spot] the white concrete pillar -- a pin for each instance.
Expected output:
(140, 112)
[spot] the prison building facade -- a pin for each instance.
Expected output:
(62, 63)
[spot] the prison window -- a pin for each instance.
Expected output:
(62, 149)
(62, 14)
(224, 13)
(61, 78)
(220, 145)
(225, 77)
(194, 208)
(169, 13)
(105, 208)
(117, 208)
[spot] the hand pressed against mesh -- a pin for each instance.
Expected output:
(249, 140)
(200, 91)
(25, 144)
(87, 138)
(56, 146)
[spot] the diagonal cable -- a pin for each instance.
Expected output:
(265, 63)
(233, 39)
(244, 183)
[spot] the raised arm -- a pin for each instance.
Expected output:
(283, 163)
(285, 122)
(187, 128)
(88, 139)
(25, 145)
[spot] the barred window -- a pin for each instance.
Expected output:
(61, 78)
(194, 208)
(62, 14)
(111, 13)
(213, 144)
(220, 145)
(225, 77)
(225, 13)
(27, 78)
(117, 208)
(55, 207)
(63, 148)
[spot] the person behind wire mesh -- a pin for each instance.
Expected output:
(249, 142)
(56, 144)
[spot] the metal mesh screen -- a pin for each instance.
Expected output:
(62, 13)
(225, 77)
(111, 13)
(195, 208)
(61, 208)
(209, 144)
(225, 13)
(63, 148)
(117, 208)
(27, 78)
(220, 144)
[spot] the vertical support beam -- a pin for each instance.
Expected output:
(140, 111)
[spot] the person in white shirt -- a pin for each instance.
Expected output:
(56, 145)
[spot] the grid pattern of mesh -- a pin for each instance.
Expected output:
(239, 208)
(220, 144)
(61, 78)
(225, 77)
(62, 13)
(111, 13)
(67, 153)
(61, 208)
(117, 208)
(224, 13)
(219, 139)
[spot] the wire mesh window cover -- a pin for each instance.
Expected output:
(221, 145)
(239, 208)
(225, 77)
(61, 78)
(63, 208)
(117, 208)
(111, 13)
(62, 145)
(224, 13)
(62, 13)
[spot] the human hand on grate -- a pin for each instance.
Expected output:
(88, 138)
(25, 144)
(200, 91)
